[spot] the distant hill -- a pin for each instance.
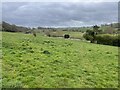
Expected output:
(13, 28)
(106, 28)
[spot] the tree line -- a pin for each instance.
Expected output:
(13, 28)
(97, 35)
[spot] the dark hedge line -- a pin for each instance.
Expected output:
(108, 39)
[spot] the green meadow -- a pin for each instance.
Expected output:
(50, 62)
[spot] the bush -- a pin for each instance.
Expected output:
(88, 37)
(46, 52)
(116, 41)
(108, 39)
(66, 36)
(47, 33)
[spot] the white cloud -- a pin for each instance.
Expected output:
(59, 14)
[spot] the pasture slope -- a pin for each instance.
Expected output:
(47, 62)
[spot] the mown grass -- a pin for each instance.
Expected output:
(46, 62)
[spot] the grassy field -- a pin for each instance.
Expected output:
(0, 59)
(47, 62)
(75, 35)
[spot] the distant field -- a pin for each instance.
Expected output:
(76, 35)
(47, 62)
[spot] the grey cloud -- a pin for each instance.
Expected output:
(59, 14)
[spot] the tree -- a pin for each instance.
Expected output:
(39, 27)
(13, 28)
(96, 29)
(90, 34)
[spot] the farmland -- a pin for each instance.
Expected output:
(60, 33)
(49, 62)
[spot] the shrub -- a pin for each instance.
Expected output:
(108, 39)
(66, 36)
(46, 52)
(34, 34)
(116, 41)
(88, 37)
(47, 33)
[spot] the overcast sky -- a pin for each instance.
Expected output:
(60, 0)
(56, 14)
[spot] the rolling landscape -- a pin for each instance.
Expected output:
(58, 57)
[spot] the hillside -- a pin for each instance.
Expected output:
(47, 62)
(15, 28)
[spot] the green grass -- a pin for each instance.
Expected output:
(0, 59)
(46, 62)
(75, 35)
